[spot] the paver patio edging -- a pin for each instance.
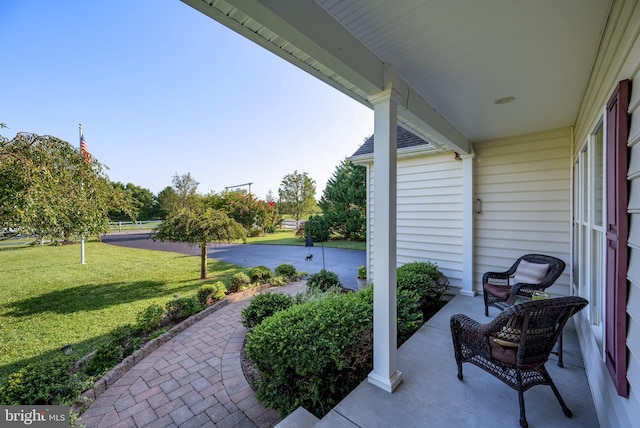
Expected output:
(112, 376)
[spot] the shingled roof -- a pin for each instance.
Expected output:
(405, 139)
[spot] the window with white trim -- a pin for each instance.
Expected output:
(589, 234)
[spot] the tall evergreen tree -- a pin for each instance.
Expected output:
(343, 202)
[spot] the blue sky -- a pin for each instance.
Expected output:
(162, 89)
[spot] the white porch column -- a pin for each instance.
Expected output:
(468, 214)
(385, 374)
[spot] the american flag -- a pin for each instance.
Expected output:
(84, 149)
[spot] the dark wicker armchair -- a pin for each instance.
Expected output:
(515, 346)
(499, 286)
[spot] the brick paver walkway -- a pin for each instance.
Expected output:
(193, 380)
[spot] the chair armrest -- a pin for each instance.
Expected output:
(469, 332)
(467, 322)
(498, 279)
(526, 290)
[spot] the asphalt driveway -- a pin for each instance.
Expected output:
(343, 262)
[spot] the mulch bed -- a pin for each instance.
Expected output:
(251, 373)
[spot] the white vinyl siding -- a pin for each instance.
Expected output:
(633, 275)
(523, 186)
(617, 59)
(429, 216)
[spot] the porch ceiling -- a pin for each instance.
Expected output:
(450, 60)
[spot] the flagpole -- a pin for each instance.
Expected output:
(82, 238)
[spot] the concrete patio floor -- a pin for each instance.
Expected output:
(432, 396)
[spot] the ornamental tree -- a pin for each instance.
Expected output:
(48, 188)
(199, 226)
(267, 216)
(241, 207)
(245, 209)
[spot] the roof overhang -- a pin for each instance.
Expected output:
(303, 33)
(452, 64)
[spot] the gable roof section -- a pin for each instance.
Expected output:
(408, 143)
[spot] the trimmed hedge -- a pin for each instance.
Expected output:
(314, 353)
(239, 282)
(424, 279)
(263, 306)
(260, 274)
(210, 294)
(410, 316)
(287, 270)
(323, 280)
(183, 307)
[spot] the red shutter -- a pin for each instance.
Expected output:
(617, 232)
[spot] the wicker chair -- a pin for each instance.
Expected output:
(497, 287)
(515, 346)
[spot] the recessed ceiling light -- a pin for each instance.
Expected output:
(504, 100)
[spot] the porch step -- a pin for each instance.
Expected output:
(300, 418)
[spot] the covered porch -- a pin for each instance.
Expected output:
(432, 396)
(515, 93)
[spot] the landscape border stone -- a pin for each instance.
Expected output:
(112, 376)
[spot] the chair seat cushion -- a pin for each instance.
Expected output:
(506, 343)
(530, 273)
(502, 293)
(506, 354)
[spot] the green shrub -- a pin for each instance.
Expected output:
(107, 356)
(210, 294)
(319, 228)
(255, 231)
(118, 345)
(323, 280)
(362, 272)
(259, 274)
(278, 281)
(239, 282)
(313, 294)
(313, 354)
(423, 278)
(219, 293)
(121, 334)
(409, 314)
(203, 294)
(44, 382)
(183, 307)
(263, 306)
(150, 318)
(287, 270)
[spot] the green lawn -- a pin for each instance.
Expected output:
(288, 237)
(48, 299)
(280, 237)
